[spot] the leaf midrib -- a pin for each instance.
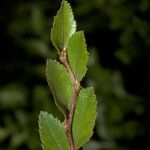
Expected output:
(53, 136)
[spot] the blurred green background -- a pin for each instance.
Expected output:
(118, 38)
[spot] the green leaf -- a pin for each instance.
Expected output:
(60, 84)
(63, 27)
(52, 133)
(84, 118)
(77, 54)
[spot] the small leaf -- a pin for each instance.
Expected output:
(77, 54)
(84, 118)
(60, 84)
(63, 27)
(52, 133)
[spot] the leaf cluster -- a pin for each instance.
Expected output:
(64, 78)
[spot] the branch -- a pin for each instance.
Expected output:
(76, 89)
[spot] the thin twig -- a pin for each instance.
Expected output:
(76, 89)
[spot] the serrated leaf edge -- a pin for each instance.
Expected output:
(86, 53)
(88, 88)
(62, 67)
(64, 1)
(45, 114)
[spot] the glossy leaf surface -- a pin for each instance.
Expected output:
(63, 27)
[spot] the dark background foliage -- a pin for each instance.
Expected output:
(118, 38)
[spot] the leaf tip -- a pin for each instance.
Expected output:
(63, 27)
